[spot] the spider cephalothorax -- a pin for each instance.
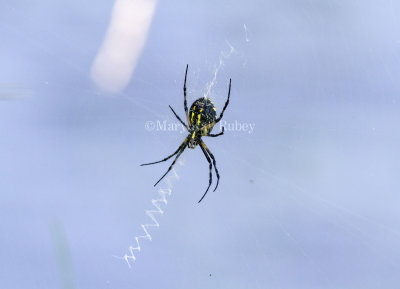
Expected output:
(201, 119)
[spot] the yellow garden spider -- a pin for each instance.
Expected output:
(201, 119)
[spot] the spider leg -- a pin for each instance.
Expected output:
(170, 156)
(218, 134)
(226, 103)
(178, 118)
(184, 96)
(182, 148)
(203, 145)
(210, 177)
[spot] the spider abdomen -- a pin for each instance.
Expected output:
(202, 113)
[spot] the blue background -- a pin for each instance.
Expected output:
(310, 199)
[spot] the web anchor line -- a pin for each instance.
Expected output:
(222, 56)
(163, 193)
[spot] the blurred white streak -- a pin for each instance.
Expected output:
(123, 43)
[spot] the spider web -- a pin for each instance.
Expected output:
(314, 200)
(167, 190)
(164, 192)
